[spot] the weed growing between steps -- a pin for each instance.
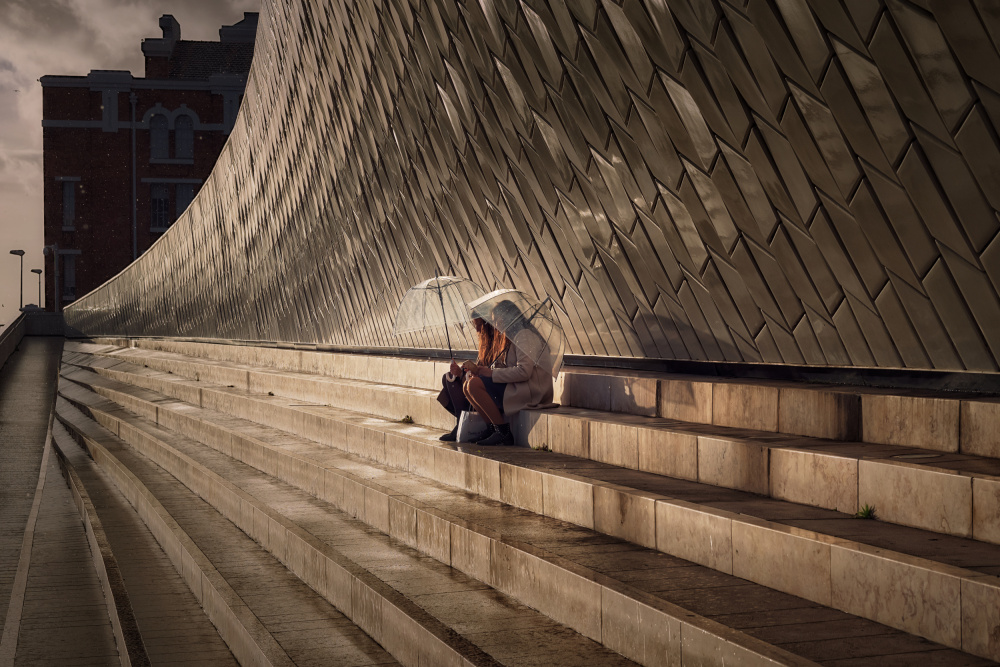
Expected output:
(866, 512)
(406, 420)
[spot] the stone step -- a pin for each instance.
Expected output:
(852, 565)
(941, 421)
(954, 494)
(493, 542)
(263, 612)
(420, 600)
(158, 618)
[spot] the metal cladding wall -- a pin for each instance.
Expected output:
(779, 181)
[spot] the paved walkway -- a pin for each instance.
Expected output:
(64, 620)
(27, 394)
(56, 614)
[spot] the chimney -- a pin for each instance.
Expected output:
(158, 51)
(244, 31)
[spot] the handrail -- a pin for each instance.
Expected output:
(10, 337)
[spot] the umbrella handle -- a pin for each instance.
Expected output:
(444, 315)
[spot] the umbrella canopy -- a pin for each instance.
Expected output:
(434, 303)
(529, 323)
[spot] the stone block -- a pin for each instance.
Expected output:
(819, 414)
(913, 495)
(569, 498)
(619, 624)
(614, 443)
(397, 451)
(633, 395)
(530, 429)
(434, 535)
(569, 435)
(910, 421)
(403, 521)
(734, 464)
(815, 478)
(521, 487)
(588, 391)
(980, 426)
(449, 467)
(554, 589)
(420, 458)
(981, 616)
(482, 476)
(669, 453)
(377, 509)
(661, 635)
(752, 406)
(686, 400)
(695, 533)
(366, 605)
(471, 552)
(903, 592)
(625, 513)
(783, 558)
(354, 497)
(986, 509)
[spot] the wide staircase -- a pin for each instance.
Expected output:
(306, 502)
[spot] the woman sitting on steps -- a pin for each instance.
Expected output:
(499, 384)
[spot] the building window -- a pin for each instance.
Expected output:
(184, 137)
(160, 212)
(69, 277)
(159, 137)
(69, 206)
(185, 193)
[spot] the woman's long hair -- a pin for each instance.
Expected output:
(492, 344)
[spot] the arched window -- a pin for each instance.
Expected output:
(159, 137)
(184, 137)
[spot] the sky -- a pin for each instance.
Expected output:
(67, 37)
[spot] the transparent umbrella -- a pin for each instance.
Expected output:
(435, 303)
(529, 323)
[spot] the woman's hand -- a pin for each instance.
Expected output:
(455, 370)
(470, 367)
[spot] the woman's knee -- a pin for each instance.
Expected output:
(474, 383)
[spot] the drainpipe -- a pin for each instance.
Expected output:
(56, 287)
(135, 232)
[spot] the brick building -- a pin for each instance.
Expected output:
(124, 155)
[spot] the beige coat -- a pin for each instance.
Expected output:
(528, 386)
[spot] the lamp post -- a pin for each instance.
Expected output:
(38, 272)
(20, 253)
(54, 251)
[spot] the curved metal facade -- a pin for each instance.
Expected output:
(779, 181)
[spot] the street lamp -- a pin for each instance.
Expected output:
(20, 253)
(38, 272)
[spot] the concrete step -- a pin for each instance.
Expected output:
(155, 616)
(954, 494)
(711, 526)
(421, 601)
(939, 421)
(263, 612)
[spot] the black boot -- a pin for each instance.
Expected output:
(500, 436)
(450, 436)
(486, 432)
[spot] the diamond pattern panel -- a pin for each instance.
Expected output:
(775, 181)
